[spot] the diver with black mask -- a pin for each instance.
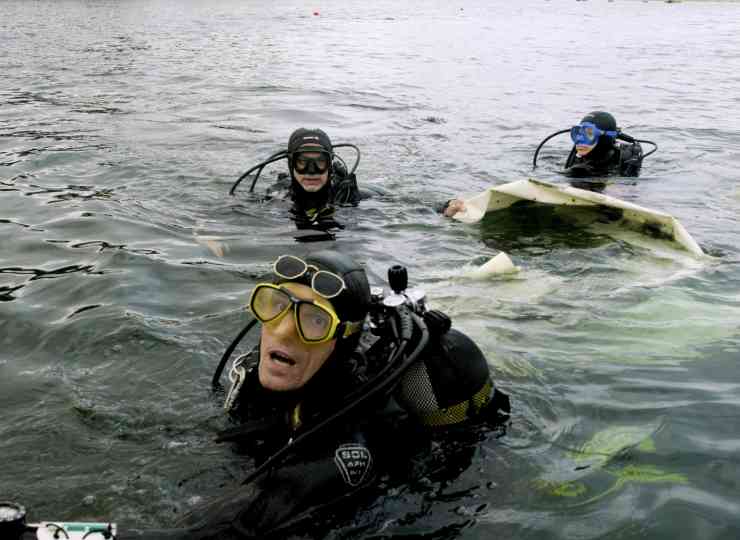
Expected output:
(345, 386)
(318, 179)
(600, 149)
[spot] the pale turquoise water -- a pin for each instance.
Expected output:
(123, 125)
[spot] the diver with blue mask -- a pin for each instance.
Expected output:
(346, 385)
(600, 149)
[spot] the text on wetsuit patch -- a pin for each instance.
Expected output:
(354, 462)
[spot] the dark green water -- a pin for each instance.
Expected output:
(123, 125)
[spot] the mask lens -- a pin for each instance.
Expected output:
(585, 134)
(327, 284)
(315, 322)
(324, 283)
(311, 162)
(574, 133)
(269, 303)
(290, 267)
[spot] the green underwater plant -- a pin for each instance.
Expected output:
(598, 454)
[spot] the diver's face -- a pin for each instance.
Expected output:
(310, 182)
(582, 150)
(287, 363)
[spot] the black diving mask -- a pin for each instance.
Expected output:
(314, 161)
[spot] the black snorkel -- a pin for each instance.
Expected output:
(620, 135)
(285, 154)
(536, 152)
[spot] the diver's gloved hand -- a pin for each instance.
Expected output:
(346, 191)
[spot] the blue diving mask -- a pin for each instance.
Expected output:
(588, 134)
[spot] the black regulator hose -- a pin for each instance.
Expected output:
(215, 381)
(534, 160)
(283, 154)
(655, 147)
(623, 136)
(348, 145)
(620, 135)
(277, 156)
(407, 320)
(627, 138)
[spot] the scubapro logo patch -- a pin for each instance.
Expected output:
(354, 462)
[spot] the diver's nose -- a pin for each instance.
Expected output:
(285, 328)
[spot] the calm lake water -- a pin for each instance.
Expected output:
(123, 125)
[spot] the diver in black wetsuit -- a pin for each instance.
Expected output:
(348, 399)
(343, 387)
(596, 151)
(318, 178)
(601, 149)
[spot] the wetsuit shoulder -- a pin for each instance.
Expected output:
(345, 190)
(336, 468)
(577, 167)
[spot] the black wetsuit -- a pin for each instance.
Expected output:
(620, 159)
(322, 475)
(316, 210)
(327, 474)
